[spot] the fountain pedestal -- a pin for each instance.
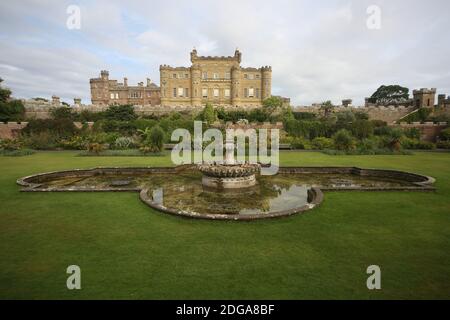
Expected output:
(229, 175)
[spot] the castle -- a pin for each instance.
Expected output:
(218, 80)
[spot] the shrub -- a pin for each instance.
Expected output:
(41, 141)
(362, 128)
(17, 153)
(445, 134)
(393, 139)
(321, 143)
(122, 127)
(10, 145)
(343, 140)
(74, 143)
(208, 114)
(123, 143)
(300, 143)
(63, 113)
(95, 148)
(409, 143)
(63, 127)
(443, 144)
(155, 139)
(368, 145)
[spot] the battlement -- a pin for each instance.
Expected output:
(424, 91)
(170, 68)
(195, 57)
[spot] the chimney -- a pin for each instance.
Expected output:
(55, 100)
(148, 82)
(140, 84)
(125, 82)
(77, 101)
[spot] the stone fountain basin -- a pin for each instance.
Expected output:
(72, 180)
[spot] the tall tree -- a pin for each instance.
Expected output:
(390, 94)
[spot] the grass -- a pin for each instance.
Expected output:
(127, 250)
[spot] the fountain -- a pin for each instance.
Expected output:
(231, 174)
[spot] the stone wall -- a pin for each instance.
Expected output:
(42, 110)
(429, 131)
(388, 114)
(11, 130)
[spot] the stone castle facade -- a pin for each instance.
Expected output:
(217, 80)
(105, 91)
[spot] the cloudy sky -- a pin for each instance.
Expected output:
(318, 50)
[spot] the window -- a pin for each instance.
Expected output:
(112, 95)
(245, 92)
(216, 93)
(227, 93)
(205, 93)
(186, 92)
(186, 75)
(174, 75)
(174, 92)
(205, 75)
(135, 94)
(428, 102)
(117, 96)
(149, 94)
(257, 92)
(251, 76)
(227, 75)
(251, 93)
(216, 76)
(257, 76)
(245, 76)
(180, 92)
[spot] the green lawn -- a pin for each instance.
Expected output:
(126, 250)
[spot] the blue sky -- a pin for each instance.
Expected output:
(318, 50)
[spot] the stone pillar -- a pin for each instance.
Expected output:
(125, 82)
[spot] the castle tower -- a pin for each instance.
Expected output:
(104, 74)
(196, 98)
(235, 85)
(266, 83)
(424, 98)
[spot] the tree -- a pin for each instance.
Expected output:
(362, 129)
(272, 104)
(343, 140)
(327, 108)
(391, 94)
(10, 109)
(153, 138)
(208, 114)
(120, 113)
(62, 113)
